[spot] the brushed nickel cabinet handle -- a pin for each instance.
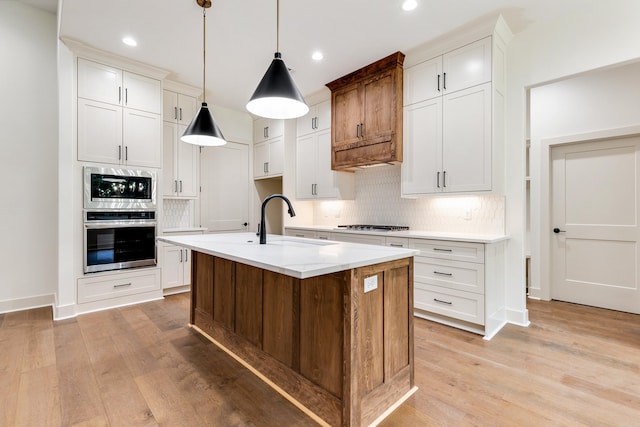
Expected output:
(396, 245)
(442, 302)
(186, 255)
(442, 250)
(442, 274)
(438, 179)
(119, 152)
(122, 285)
(180, 113)
(444, 81)
(175, 113)
(181, 186)
(119, 94)
(444, 179)
(126, 96)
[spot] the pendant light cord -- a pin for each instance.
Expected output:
(204, 53)
(277, 25)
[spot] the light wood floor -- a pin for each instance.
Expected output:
(140, 365)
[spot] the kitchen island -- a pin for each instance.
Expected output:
(327, 324)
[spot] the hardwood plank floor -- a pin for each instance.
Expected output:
(141, 365)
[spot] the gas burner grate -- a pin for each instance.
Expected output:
(370, 227)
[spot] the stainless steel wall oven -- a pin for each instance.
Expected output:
(119, 219)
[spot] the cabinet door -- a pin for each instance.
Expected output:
(187, 166)
(306, 149)
(423, 81)
(169, 106)
(325, 176)
(347, 115)
(466, 133)
(142, 138)
(260, 128)
(379, 113)
(169, 172)
(422, 134)
(306, 124)
(323, 115)
(99, 82)
(99, 132)
(172, 266)
(141, 93)
(187, 109)
(260, 159)
(467, 66)
(224, 178)
(276, 156)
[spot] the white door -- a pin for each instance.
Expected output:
(594, 248)
(224, 178)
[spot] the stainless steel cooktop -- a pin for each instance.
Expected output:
(371, 227)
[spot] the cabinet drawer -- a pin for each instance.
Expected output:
(397, 242)
(117, 285)
(464, 276)
(308, 234)
(446, 249)
(366, 239)
(465, 306)
(323, 235)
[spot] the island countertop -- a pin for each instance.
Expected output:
(293, 256)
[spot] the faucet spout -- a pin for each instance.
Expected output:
(263, 225)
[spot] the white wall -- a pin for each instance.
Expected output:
(603, 100)
(597, 35)
(28, 156)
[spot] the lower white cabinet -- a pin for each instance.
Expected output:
(128, 286)
(460, 284)
(176, 266)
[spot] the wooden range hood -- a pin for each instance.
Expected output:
(366, 115)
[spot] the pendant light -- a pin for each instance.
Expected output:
(203, 130)
(277, 96)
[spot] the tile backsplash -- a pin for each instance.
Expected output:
(378, 201)
(177, 213)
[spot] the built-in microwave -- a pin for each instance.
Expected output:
(119, 189)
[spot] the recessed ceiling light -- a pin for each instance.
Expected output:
(129, 41)
(409, 5)
(317, 56)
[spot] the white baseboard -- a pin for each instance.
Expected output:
(7, 306)
(518, 317)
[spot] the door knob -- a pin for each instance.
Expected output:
(557, 230)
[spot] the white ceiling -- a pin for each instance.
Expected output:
(241, 34)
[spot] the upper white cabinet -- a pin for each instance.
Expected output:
(265, 129)
(119, 118)
(268, 148)
(180, 160)
(178, 107)
(453, 115)
(314, 177)
(318, 118)
(459, 69)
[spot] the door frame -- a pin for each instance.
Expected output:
(540, 213)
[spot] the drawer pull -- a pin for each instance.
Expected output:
(396, 245)
(442, 302)
(442, 274)
(299, 235)
(122, 285)
(323, 238)
(442, 250)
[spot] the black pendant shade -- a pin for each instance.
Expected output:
(203, 130)
(277, 96)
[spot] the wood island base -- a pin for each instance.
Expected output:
(338, 346)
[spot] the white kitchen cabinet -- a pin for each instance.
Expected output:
(460, 284)
(178, 107)
(265, 129)
(367, 239)
(119, 119)
(459, 69)
(176, 266)
(314, 177)
(180, 160)
(268, 158)
(452, 123)
(97, 291)
(448, 143)
(225, 194)
(180, 163)
(318, 118)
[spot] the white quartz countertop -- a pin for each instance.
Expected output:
(293, 256)
(416, 234)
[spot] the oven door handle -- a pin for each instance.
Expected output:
(118, 224)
